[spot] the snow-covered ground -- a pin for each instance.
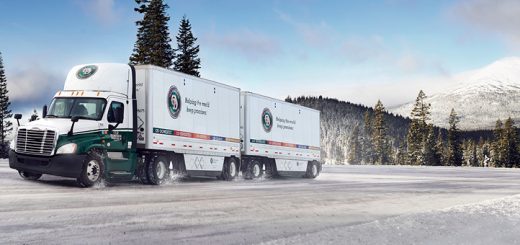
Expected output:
(345, 205)
(488, 222)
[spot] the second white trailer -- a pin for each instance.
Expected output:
(280, 137)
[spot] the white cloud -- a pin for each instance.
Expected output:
(104, 11)
(254, 46)
(32, 87)
(361, 49)
(316, 34)
(409, 62)
(491, 16)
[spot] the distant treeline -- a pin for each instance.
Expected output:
(357, 134)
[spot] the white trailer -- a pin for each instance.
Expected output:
(195, 118)
(280, 137)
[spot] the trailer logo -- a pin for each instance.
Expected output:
(174, 102)
(86, 71)
(267, 120)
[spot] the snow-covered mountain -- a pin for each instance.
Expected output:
(479, 97)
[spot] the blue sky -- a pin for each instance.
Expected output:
(358, 51)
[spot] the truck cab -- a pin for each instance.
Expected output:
(89, 124)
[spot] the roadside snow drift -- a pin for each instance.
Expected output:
(488, 222)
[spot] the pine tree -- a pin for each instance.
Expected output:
(5, 113)
(379, 137)
(454, 143)
(400, 156)
(414, 142)
(418, 130)
(430, 155)
(470, 153)
(473, 156)
(440, 149)
(465, 153)
(497, 145)
(510, 139)
(186, 54)
(421, 113)
(153, 37)
(483, 153)
(354, 152)
(339, 155)
(368, 148)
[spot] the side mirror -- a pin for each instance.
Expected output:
(18, 117)
(118, 118)
(74, 119)
(118, 115)
(44, 111)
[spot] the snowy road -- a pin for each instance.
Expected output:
(345, 205)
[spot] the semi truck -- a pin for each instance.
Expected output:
(118, 122)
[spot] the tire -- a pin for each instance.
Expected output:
(158, 170)
(29, 176)
(179, 169)
(254, 170)
(230, 169)
(270, 170)
(93, 170)
(313, 170)
(142, 171)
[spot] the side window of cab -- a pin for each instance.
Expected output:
(114, 106)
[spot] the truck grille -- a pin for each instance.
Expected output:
(35, 142)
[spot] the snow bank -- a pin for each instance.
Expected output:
(489, 222)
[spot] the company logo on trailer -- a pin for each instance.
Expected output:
(267, 120)
(174, 102)
(86, 71)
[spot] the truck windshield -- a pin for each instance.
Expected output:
(84, 108)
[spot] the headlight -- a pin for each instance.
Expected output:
(67, 149)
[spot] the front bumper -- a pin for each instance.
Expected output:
(69, 165)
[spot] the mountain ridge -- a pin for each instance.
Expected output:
(480, 97)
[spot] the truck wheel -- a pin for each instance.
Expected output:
(158, 170)
(254, 170)
(29, 176)
(179, 169)
(270, 170)
(313, 170)
(142, 171)
(93, 170)
(230, 170)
